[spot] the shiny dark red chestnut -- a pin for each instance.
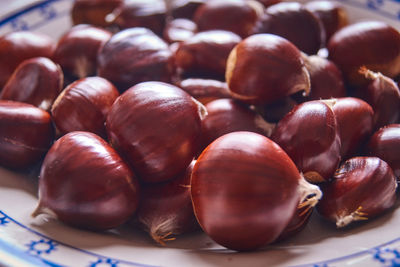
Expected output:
(238, 16)
(206, 52)
(166, 210)
(179, 30)
(37, 81)
(26, 133)
(245, 190)
(283, 70)
(84, 182)
(385, 144)
(362, 188)
(354, 118)
(332, 15)
(150, 14)
(135, 55)
(326, 78)
(292, 21)
(204, 90)
(84, 106)
(77, 50)
(372, 44)
(156, 128)
(383, 94)
(15, 47)
(310, 135)
(228, 115)
(93, 12)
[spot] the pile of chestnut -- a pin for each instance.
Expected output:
(234, 116)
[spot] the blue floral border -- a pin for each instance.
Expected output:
(38, 249)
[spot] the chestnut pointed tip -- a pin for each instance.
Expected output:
(201, 109)
(161, 229)
(40, 209)
(356, 215)
(310, 194)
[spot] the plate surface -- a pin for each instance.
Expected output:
(25, 241)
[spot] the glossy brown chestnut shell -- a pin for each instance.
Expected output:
(206, 52)
(156, 128)
(332, 15)
(362, 188)
(237, 16)
(37, 81)
(326, 78)
(15, 47)
(204, 90)
(228, 115)
(354, 118)
(372, 44)
(293, 22)
(93, 12)
(77, 49)
(385, 144)
(85, 183)
(283, 70)
(140, 13)
(84, 106)
(179, 30)
(135, 55)
(245, 190)
(185, 8)
(310, 136)
(26, 133)
(166, 210)
(383, 94)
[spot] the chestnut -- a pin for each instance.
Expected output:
(355, 123)
(156, 128)
(15, 47)
(238, 16)
(179, 30)
(93, 12)
(310, 135)
(185, 8)
(227, 115)
(26, 133)
(84, 182)
(36, 81)
(165, 209)
(84, 105)
(362, 188)
(206, 52)
(383, 94)
(245, 189)
(134, 55)
(204, 90)
(140, 13)
(385, 144)
(283, 70)
(373, 44)
(292, 21)
(77, 49)
(326, 78)
(332, 15)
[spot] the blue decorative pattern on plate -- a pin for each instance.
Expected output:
(42, 241)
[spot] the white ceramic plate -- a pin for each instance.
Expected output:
(25, 241)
